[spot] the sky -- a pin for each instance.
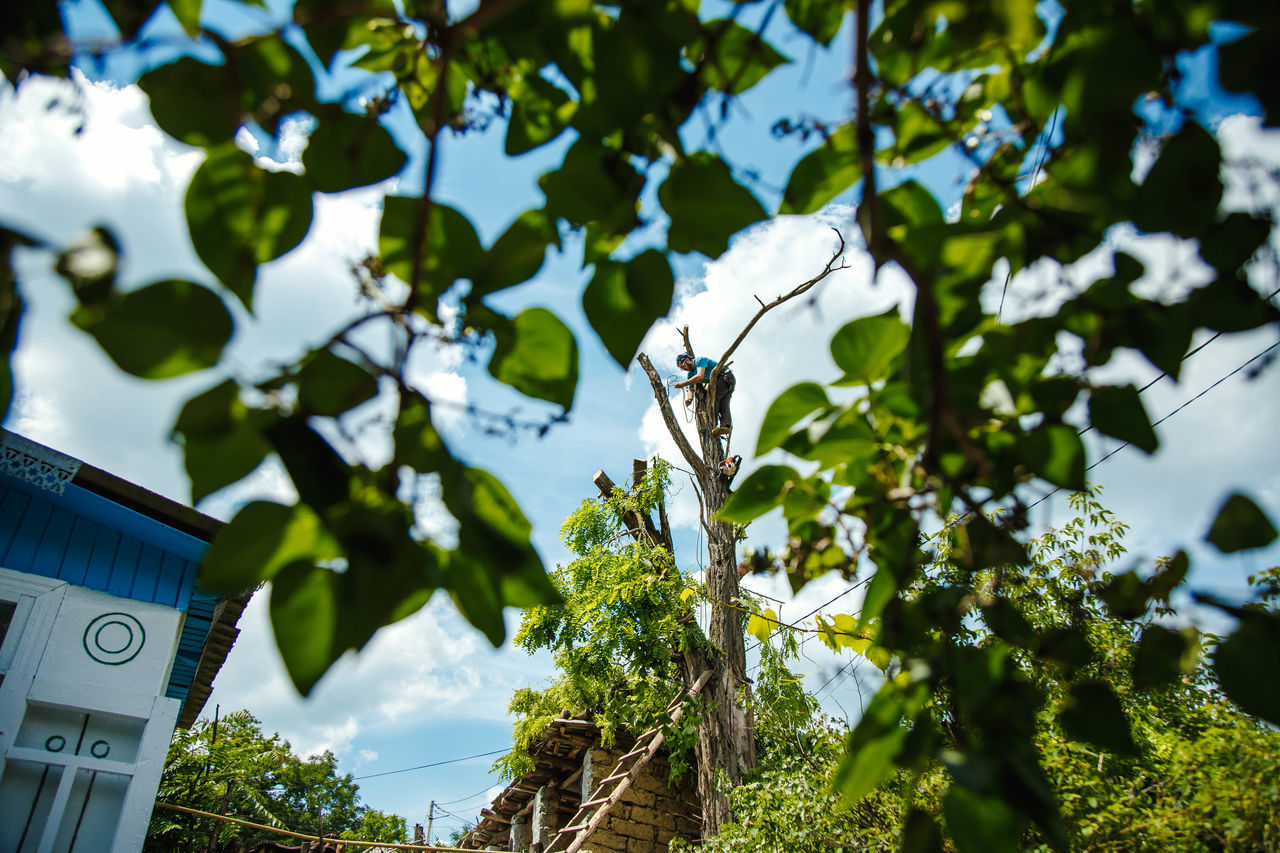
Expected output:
(430, 689)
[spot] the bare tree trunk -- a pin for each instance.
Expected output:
(726, 733)
(726, 739)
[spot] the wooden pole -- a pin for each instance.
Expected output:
(306, 837)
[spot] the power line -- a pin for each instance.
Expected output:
(1125, 444)
(433, 764)
(811, 612)
(833, 677)
(1044, 150)
(483, 790)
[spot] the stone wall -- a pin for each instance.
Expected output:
(651, 812)
(570, 767)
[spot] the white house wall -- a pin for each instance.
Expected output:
(84, 726)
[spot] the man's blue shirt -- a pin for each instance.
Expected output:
(702, 362)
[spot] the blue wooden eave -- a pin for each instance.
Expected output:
(85, 538)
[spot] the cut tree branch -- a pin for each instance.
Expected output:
(669, 418)
(798, 290)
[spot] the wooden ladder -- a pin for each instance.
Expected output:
(572, 837)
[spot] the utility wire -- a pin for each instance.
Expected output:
(1125, 444)
(483, 790)
(833, 677)
(433, 764)
(1044, 150)
(811, 612)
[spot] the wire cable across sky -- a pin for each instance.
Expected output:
(432, 764)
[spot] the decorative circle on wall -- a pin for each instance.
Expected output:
(55, 743)
(106, 748)
(114, 638)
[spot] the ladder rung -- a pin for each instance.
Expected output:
(615, 777)
(573, 828)
(593, 803)
(633, 753)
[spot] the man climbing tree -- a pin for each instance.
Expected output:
(699, 371)
(726, 738)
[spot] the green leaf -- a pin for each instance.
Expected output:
(537, 356)
(823, 173)
(329, 385)
(909, 205)
(1169, 576)
(346, 151)
(1066, 646)
(593, 184)
(494, 564)
(622, 301)
(1248, 665)
(321, 476)
(706, 205)
(187, 12)
(1007, 622)
(241, 216)
(539, 113)
(165, 329)
(867, 348)
(873, 744)
(731, 57)
(516, 256)
(981, 824)
(328, 31)
(262, 79)
(221, 444)
(450, 251)
(918, 134)
(819, 18)
(1240, 526)
(792, 405)
(1055, 453)
(305, 608)
(1126, 596)
(260, 540)
(920, 833)
(188, 119)
(1092, 714)
(763, 490)
(1163, 655)
(417, 443)
(1119, 413)
(1182, 191)
(880, 592)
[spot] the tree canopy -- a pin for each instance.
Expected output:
(1063, 121)
(1137, 745)
(229, 766)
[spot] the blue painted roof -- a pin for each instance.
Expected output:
(87, 539)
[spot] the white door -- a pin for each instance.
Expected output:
(79, 763)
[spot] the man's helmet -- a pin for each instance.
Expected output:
(684, 358)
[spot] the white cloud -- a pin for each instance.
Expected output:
(790, 344)
(1249, 152)
(428, 666)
